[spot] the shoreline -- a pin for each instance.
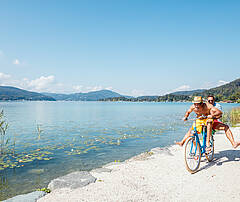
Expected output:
(128, 180)
(161, 175)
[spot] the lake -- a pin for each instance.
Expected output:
(51, 139)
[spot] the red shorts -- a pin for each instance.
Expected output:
(215, 123)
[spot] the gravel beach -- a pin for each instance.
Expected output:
(161, 175)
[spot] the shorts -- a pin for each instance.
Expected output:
(199, 123)
(215, 123)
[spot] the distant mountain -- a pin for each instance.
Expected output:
(57, 96)
(229, 91)
(90, 96)
(12, 93)
(190, 92)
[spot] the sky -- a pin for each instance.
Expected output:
(134, 47)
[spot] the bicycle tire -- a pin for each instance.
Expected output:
(192, 157)
(209, 156)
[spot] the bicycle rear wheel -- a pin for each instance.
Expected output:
(192, 155)
(210, 155)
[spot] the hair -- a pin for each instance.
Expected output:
(211, 96)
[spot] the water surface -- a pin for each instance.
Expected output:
(81, 136)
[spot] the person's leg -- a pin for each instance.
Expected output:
(228, 132)
(209, 132)
(188, 134)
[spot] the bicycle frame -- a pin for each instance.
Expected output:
(195, 135)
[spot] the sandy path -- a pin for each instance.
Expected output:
(163, 177)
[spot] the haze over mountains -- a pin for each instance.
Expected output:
(90, 96)
(229, 91)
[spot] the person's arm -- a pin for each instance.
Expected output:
(215, 113)
(188, 112)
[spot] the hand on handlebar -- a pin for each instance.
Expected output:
(202, 117)
(209, 116)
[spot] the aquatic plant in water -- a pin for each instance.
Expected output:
(39, 131)
(79, 144)
(21, 159)
(3, 128)
(44, 189)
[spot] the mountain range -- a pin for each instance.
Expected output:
(229, 91)
(90, 96)
(12, 93)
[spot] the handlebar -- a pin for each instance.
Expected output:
(200, 117)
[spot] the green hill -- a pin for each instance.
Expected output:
(229, 92)
(226, 92)
(190, 92)
(12, 93)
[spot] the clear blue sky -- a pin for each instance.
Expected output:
(133, 47)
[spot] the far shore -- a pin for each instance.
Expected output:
(160, 175)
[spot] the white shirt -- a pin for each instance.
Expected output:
(218, 106)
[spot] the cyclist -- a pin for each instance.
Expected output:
(201, 109)
(218, 125)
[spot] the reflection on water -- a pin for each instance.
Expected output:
(56, 138)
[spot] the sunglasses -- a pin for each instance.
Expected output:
(210, 100)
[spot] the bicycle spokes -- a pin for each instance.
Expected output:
(192, 155)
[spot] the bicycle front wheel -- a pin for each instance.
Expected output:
(210, 155)
(192, 155)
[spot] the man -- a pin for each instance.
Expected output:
(211, 100)
(202, 109)
(217, 125)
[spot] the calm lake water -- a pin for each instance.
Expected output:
(56, 138)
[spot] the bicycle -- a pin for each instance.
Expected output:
(194, 150)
